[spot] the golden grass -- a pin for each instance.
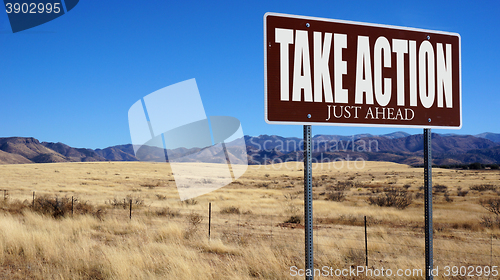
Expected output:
(162, 241)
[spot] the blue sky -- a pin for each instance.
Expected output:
(73, 79)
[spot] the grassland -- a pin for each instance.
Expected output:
(250, 239)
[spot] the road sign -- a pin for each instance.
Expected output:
(332, 72)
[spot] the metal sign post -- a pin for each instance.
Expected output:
(308, 207)
(428, 203)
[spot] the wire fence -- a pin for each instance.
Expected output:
(373, 243)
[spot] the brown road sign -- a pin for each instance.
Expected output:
(331, 72)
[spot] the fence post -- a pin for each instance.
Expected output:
(209, 218)
(271, 231)
(4, 194)
(72, 206)
(33, 205)
(366, 245)
(131, 209)
(317, 241)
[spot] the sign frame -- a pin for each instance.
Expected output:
(359, 124)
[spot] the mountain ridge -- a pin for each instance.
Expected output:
(397, 147)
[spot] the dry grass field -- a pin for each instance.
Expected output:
(256, 230)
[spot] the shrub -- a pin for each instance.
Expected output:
(492, 205)
(60, 207)
(194, 220)
(392, 197)
(295, 219)
(440, 188)
(264, 185)
(230, 210)
(342, 186)
(137, 201)
(115, 203)
(462, 193)
(82, 207)
(125, 203)
(51, 206)
(447, 197)
(475, 166)
(167, 212)
(149, 186)
(161, 196)
(490, 222)
(190, 201)
(14, 206)
(338, 196)
(483, 187)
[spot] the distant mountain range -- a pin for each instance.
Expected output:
(396, 147)
(400, 147)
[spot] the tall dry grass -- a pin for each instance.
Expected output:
(165, 239)
(40, 247)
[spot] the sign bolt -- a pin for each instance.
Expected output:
(307, 24)
(429, 119)
(308, 116)
(428, 37)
